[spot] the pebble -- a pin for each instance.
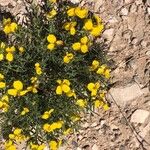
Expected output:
(148, 10)
(133, 8)
(108, 34)
(139, 116)
(123, 95)
(148, 53)
(75, 1)
(124, 11)
(95, 147)
(7, 2)
(94, 124)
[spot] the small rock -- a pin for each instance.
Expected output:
(108, 34)
(139, 116)
(143, 43)
(112, 20)
(7, 2)
(85, 125)
(95, 147)
(75, 1)
(135, 41)
(128, 1)
(102, 122)
(94, 124)
(114, 127)
(138, 2)
(148, 53)
(79, 148)
(122, 95)
(62, 147)
(124, 11)
(148, 10)
(133, 8)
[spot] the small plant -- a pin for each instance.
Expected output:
(51, 71)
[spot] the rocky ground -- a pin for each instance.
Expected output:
(126, 126)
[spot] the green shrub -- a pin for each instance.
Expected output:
(51, 71)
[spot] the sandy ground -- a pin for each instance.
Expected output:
(126, 126)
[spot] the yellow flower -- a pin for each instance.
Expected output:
(106, 107)
(10, 49)
(96, 31)
(41, 147)
(47, 114)
(32, 89)
(25, 110)
(81, 13)
(21, 49)
(81, 103)
(12, 136)
(56, 125)
(68, 57)
(51, 46)
(88, 24)
(53, 145)
(71, 12)
(53, 1)
(17, 90)
(33, 79)
(13, 26)
(17, 131)
(12, 92)
(103, 70)
(70, 26)
(2, 45)
(82, 45)
(98, 103)
(52, 14)
(38, 69)
(9, 57)
(46, 127)
(84, 48)
(9, 27)
(75, 118)
(1, 57)
(59, 42)
(53, 41)
(98, 19)
(11, 147)
(76, 46)
(63, 87)
(84, 40)
(5, 98)
(93, 88)
(107, 73)
(2, 85)
(66, 132)
(51, 127)
(71, 93)
(95, 65)
(51, 38)
(18, 85)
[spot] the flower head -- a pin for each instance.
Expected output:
(93, 88)
(68, 57)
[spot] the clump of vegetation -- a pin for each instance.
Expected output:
(51, 71)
